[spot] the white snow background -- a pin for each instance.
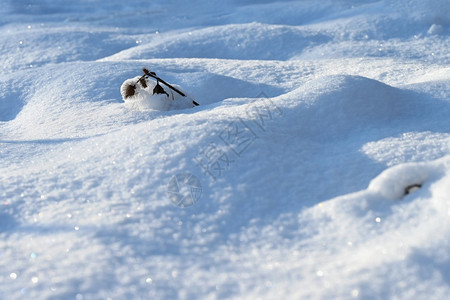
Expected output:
(314, 118)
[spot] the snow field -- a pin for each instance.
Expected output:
(341, 106)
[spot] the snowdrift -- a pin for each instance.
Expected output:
(316, 167)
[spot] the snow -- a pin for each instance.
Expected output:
(144, 96)
(317, 165)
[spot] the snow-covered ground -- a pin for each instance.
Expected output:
(317, 165)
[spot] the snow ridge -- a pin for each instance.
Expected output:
(316, 166)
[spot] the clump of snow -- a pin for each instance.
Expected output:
(435, 29)
(394, 183)
(144, 98)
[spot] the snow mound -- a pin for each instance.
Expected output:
(334, 106)
(408, 147)
(211, 88)
(19, 49)
(11, 102)
(237, 41)
(396, 182)
(428, 12)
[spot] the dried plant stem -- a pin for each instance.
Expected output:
(153, 75)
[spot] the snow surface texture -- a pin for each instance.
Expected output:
(317, 165)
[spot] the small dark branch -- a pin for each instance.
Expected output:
(195, 103)
(153, 75)
(412, 188)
